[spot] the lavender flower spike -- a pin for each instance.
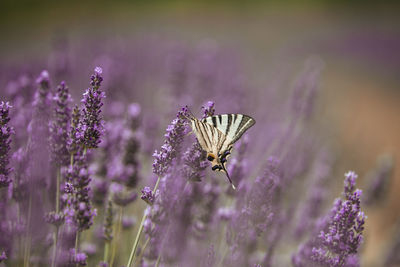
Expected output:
(79, 211)
(92, 124)
(341, 234)
(174, 137)
(5, 140)
(60, 125)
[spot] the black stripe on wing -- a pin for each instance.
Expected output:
(245, 123)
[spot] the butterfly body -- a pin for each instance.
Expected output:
(217, 134)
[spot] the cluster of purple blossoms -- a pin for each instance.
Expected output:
(171, 147)
(5, 140)
(91, 126)
(341, 232)
(59, 126)
(78, 210)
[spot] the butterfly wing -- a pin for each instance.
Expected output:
(209, 137)
(232, 126)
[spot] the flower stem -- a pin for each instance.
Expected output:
(143, 249)
(140, 230)
(158, 260)
(106, 250)
(76, 247)
(72, 159)
(28, 235)
(53, 262)
(117, 231)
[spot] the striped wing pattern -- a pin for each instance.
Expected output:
(216, 135)
(232, 126)
(208, 136)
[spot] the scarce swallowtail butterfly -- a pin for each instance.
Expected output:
(217, 134)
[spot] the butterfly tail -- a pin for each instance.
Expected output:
(229, 178)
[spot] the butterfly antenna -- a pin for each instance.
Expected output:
(190, 117)
(190, 113)
(229, 178)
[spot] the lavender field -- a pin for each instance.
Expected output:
(99, 165)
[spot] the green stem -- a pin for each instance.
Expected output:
(142, 250)
(72, 159)
(116, 236)
(28, 234)
(158, 260)
(106, 250)
(58, 191)
(76, 246)
(53, 262)
(140, 230)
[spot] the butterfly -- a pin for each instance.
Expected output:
(217, 134)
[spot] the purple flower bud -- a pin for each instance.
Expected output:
(3, 256)
(208, 109)
(147, 195)
(44, 77)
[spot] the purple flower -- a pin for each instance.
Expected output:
(54, 218)
(3, 256)
(172, 144)
(91, 126)
(5, 141)
(75, 132)
(59, 126)
(79, 211)
(128, 222)
(44, 78)
(195, 163)
(341, 233)
(147, 195)
(78, 258)
(208, 109)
